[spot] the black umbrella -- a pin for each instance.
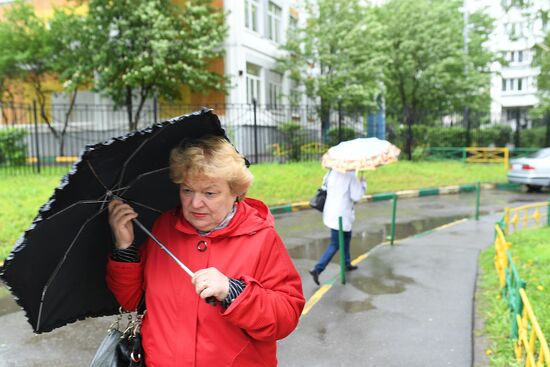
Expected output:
(56, 270)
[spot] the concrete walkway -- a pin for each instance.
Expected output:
(410, 304)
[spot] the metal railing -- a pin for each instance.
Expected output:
(34, 140)
(487, 155)
(530, 345)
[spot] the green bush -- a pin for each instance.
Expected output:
(290, 148)
(446, 137)
(313, 148)
(497, 135)
(419, 153)
(535, 137)
(347, 133)
(13, 150)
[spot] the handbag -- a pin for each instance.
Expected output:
(122, 346)
(318, 201)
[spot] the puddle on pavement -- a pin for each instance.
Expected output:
(356, 306)
(364, 241)
(378, 284)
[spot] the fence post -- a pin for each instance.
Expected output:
(341, 251)
(548, 214)
(36, 140)
(255, 132)
(155, 109)
(478, 189)
(339, 121)
(394, 210)
(468, 126)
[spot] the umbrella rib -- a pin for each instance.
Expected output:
(96, 176)
(123, 170)
(144, 206)
(77, 203)
(59, 265)
(140, 176)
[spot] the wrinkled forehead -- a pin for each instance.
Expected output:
(199, 181)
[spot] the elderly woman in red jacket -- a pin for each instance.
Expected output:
(238, 258)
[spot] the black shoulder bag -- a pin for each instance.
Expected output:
(318, 201)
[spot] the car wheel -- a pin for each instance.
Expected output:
(533, 188)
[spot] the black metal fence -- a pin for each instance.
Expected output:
(34, 139)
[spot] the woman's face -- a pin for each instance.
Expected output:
(205, 201)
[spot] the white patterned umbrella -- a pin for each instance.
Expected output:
(360, 154)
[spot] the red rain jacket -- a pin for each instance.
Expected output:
(181, 329)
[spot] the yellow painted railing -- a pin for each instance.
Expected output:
(50, 159)
(522, 215)
(501, 258)
(531, 345)
(487, 155)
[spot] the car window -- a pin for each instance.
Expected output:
(543, 153)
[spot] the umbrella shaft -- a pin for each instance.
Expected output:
(182, 265)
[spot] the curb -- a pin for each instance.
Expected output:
(429, 191)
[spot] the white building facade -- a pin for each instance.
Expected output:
(257, 29)
(518, 29)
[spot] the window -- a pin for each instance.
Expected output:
(274, 22)
(274, 89)
(251, 14)
(292, 22)
(252, 82)
(514, 84)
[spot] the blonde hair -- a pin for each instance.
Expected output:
(212, 157)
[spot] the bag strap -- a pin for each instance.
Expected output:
(325, 178)
(141, 305)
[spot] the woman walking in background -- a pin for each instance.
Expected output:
(343, 190)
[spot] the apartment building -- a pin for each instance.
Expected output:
(519, 27)
(257, 28)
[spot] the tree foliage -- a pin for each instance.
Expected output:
(149, 48)
(336, 55)
(27, 46)
(430, 68)
(542, 60)
(37, 51)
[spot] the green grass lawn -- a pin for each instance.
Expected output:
(22, 196)
(531, 254)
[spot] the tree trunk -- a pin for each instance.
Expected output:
(143, 97)
(129, 109)
(66, 123)
(517, 134)
(325, 120)
(409, 120)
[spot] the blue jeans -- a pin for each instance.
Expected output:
(332, 249)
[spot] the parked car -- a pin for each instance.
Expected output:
(533, 170)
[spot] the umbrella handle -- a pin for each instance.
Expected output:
(181, 265)
(210, 300)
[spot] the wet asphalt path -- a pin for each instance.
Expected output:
(389, 313)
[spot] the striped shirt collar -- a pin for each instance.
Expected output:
(224, 223)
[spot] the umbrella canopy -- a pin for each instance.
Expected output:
(360, 154)
(56, 270)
